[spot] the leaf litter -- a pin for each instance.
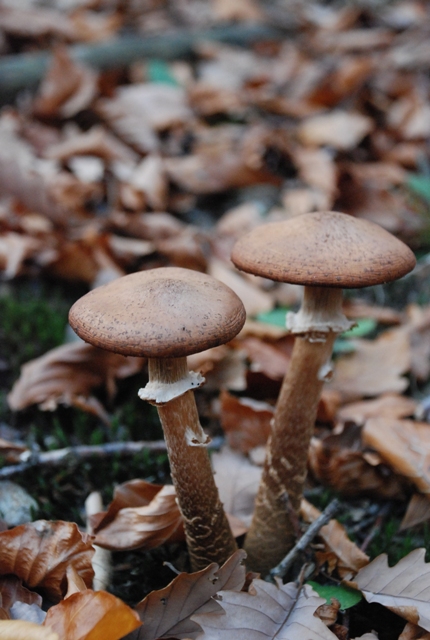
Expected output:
(105, 172)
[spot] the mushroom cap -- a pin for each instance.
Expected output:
(326, 249)
(159, 313)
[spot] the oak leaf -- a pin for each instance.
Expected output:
(284, 612)
(404, 588)
(167, 613)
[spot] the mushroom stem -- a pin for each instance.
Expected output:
(274, 527)
(207, 531)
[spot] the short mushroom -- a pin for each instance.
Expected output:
(165, 315)
(325, 252)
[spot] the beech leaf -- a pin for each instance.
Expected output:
(40, 552)
(284, 612)
(92, 615)
(404, 588)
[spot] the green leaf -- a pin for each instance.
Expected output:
(347, 597)
(362, 328)
(420, 185)
(159, 71)
(276, 317)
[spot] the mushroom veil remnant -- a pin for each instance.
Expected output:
(165, 315)
(324, 252)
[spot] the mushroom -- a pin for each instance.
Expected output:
(325, 252)
(165, 315)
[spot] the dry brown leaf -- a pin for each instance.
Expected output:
(341, 553)
(239, 10)
(40, 552)
(404, 445)
(20, 630)
(12, 590)
(339, 129)
(138, 111)
(92, 615)
(266, 357)
(267, 611)
(375, 367)
(67, 375)
(413, 632)
(134, 493)
(417, 512)
(253, 297)
(388, 405)
(38, 183)
(15, 249)
(339, 461)
(67, 88)
(404, 588)
(237, 480)
(245, 421)
(36, 22)
(232, 157)
(143, 527)
(167, 613)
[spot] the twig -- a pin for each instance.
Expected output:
(24, 71)
(282, 568)
(83, 452)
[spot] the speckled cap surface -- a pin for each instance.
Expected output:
(165, 312)
(327, 249)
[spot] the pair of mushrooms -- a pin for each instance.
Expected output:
(168, 313)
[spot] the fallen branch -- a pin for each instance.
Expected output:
(24, 71)
(283, 567)
(83, 452)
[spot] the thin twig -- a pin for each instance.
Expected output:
(82, 452)
(24, 71)
(282, 568)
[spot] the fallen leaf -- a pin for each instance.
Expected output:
(387, 405)
(92, 615)
(404, 445)
(237, 480)
(20, 630)
(375, 367)
(267, 611)
(143, 527)
(40, 552)
(417, 512)
(339, 129)
(413, 632)
(167, 613)
(12, 590)
(67, 375)
(341, 553)
(67, 88)
(245, 421)
(404, 588)
(339, 461)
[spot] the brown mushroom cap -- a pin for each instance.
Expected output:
(166, 312)
(326, 249)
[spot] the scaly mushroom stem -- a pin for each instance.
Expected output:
(208, 534)
(274, 527)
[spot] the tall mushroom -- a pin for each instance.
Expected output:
(165, 315)
(325, 252)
